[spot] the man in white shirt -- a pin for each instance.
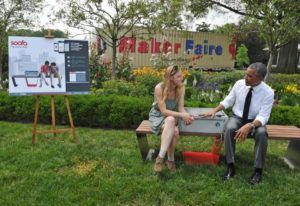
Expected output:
(247, 120)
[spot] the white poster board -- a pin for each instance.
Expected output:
(47, 66)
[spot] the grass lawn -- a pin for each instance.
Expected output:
(105, 168)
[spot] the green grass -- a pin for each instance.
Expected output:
(105, 168)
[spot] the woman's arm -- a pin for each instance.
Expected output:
(158, 92)
(181, 100)
(186, 117)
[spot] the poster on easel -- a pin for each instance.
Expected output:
(40, 65)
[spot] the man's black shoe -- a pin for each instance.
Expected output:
(255, 178)
(229, 173)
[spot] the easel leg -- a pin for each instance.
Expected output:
(37, 104)
(53, 114)
(70, 119)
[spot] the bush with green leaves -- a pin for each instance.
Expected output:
(285, 115)
(121, 87)
(108, 111)
(242, 58)
(99, 71)
(149, 81)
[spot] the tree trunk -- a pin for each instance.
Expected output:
(288, 58)
(114, 60)
(1, 65)
(269, 67)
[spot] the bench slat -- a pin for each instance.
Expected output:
(280, 132)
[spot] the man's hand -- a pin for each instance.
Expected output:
(211, 114)
(243, 133)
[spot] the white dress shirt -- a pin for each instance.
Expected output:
(261, 102)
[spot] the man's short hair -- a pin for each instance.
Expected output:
(260, 69)
(46, 62)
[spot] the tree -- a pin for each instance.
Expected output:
(13, 14)
(242, 58)
(277, 20)
(288, 57)
(203, 27)
(246, 33)
(125, 17)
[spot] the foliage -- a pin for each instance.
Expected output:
(121, 87)
(111, 111)
(203, 27)
(149, 82)
(99, 70)
(91, 110)
(161, 60)
(284, 79)
(242, 58)
(291, 95)
(14, 14)
(150, 77)
(247, 33)
(148, 71)
(223, 80)
(285, 115)
(276, 20)
(125, 19)
(123, 69)
(38, 33)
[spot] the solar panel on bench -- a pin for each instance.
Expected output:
(205, 125)
(31, 73)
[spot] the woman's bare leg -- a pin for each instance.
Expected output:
(167, 135)
(172, 146)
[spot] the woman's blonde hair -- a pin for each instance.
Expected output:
(171, 71)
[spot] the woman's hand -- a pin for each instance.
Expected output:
(187, 118)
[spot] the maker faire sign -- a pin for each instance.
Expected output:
(47, 66)
(196, 49)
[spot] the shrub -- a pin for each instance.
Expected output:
(121, 87)
(242, 58)
(109, 111)
(285, 115)
(99, 71)
(149, 82)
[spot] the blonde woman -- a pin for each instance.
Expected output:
(166, 109)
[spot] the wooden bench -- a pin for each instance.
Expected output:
(275, 132)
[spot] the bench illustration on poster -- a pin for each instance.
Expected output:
(29, 75)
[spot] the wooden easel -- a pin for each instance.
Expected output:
(53, 130)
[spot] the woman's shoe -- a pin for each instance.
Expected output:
(159, 164)
(171, 165)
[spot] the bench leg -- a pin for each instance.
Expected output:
(292, 157)
(146, 152)
(14, 81)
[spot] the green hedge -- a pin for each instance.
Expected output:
(109, 111)
(88, 110)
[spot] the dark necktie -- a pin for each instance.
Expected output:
(247, 105)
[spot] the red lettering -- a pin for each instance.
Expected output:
(143, 47)
(18, 43)
(177, 47)
(127, 44)
(155, 46)
(167, 47)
